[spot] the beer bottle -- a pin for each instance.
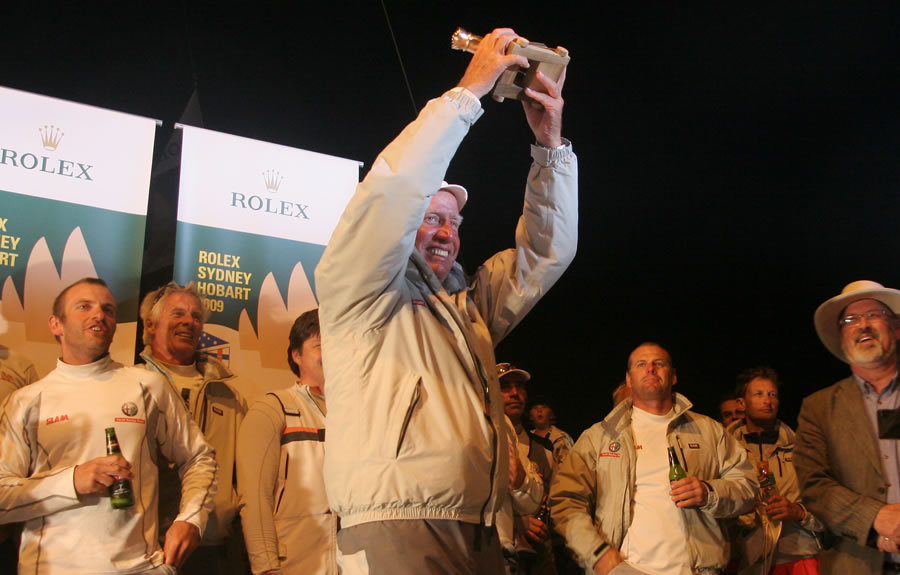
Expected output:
(676, 471)
(121, 495)
(543, 514)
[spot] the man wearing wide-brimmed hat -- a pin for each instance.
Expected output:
(848, 453)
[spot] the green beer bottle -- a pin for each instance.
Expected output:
(676, 471)
(121, 495)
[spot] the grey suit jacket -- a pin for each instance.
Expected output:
(839, 468)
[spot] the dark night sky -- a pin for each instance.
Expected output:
(739, 162)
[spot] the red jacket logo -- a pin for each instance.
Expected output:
(57, 419)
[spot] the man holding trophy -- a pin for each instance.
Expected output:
(417, 458)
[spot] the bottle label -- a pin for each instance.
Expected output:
(120, 490)
(121, 494)
(766, 479)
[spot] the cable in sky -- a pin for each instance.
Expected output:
(412, 100)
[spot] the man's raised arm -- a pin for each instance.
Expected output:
(376, 234)
(512, 281)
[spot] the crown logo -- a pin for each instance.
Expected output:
(273, 180)
(50, 137)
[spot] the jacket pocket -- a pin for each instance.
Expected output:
(281, 483)
(410, 388)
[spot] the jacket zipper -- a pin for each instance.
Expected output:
(407, 417)
(287, 461)
(487, 404)
(681, 449)
(314, 402)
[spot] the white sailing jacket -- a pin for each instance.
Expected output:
(57, 423)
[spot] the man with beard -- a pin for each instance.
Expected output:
(55, 474)
(174, 317)
(612, 499)
(847, 449)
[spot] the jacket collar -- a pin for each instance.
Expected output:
(210, 368)
(87, 370)
(619, 419)
(418, 271)
(780, 436)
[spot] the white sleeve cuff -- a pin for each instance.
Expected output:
(546, 156)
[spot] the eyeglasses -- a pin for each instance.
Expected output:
(437, 220)
(855, 318)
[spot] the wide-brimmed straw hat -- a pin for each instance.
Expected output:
(829, 313)
(458, 192)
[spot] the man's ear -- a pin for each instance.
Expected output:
(56, 327)
(740, 401)
(297, 357)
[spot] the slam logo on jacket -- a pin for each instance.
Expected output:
(46, 161)
(268, 203)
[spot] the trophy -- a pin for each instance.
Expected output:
(514, 80)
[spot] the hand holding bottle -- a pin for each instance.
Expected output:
(96, 475)
(689, 492)
(537, 530)
(779, 508)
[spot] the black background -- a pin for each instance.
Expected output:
(739, 161)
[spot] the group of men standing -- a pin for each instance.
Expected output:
(420, 461)
(835, 483)
(177, 419)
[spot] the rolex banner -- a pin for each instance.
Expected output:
(74, 181)
(253, 221)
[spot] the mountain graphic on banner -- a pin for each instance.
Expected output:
(43, 283)
(23, 318)
(275, 318)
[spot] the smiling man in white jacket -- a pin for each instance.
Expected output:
(416, 459)
(55, 474)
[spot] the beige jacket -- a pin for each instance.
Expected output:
(591, 496)
(288, 526)
(415, 415)
(219, 411)
(764, 543)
